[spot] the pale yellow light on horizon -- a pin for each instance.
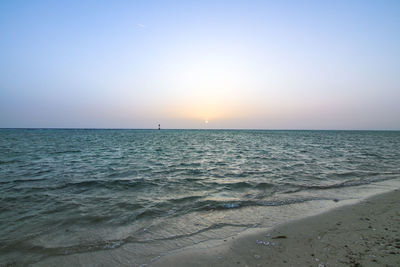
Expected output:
(211, 84)
(207, 85)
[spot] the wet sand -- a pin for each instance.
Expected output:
(363, 234)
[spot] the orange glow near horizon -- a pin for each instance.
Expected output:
(207, 111)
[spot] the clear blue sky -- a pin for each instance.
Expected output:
(200, 64)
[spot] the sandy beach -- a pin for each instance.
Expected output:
(363, 234)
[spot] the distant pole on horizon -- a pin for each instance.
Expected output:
(159, 126)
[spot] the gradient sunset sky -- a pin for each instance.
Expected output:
(233, 64)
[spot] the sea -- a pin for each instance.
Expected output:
(127, 197)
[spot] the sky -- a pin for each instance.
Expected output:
(200, 64)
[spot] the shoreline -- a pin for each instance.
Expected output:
(364, 233)
(253, 246)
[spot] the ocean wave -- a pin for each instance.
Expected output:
(341, 184)
(240, 185)
(67, 152)
(111, 183)
(26, 180)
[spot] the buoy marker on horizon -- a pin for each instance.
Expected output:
(159, 126)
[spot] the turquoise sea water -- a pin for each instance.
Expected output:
(72, 192)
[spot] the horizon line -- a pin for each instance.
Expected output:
(211, 129)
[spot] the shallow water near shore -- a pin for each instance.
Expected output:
(131, 195)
